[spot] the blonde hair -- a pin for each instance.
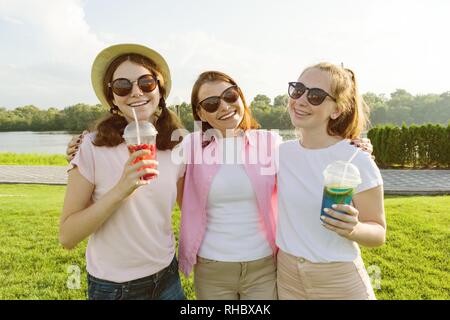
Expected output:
(355, 112)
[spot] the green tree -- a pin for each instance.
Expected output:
(81, 116)
(261, 102)
(280, 101)
(184, 112)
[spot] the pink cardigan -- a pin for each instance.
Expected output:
(260, 161)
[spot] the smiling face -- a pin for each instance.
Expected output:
(228, 115)
(144, 103)
(307, 116)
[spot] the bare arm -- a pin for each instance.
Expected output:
(371, 231)
(364, 223)
(180, 188)
(80, 218)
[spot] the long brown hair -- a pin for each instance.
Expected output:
(110, 129)
(248, 122)
(355, 112)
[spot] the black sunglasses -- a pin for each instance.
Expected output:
(123, 86)
(229, 95)
(315, 95)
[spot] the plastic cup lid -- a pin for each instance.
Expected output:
(145, 129)
(342, 172)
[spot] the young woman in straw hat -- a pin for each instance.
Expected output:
(131, 248)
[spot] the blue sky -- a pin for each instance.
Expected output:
(48, 45)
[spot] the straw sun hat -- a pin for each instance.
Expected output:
(108, 55)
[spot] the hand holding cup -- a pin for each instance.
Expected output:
(342, 219)
(133, 172)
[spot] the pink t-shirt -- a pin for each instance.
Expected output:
(137, 240)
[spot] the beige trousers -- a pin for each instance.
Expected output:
(301, 279)
(252, 280)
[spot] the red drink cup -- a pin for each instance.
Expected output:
(151, 156)
(147, 141)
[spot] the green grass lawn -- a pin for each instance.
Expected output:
(414, 263)
(32, 159)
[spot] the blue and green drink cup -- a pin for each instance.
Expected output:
(341, 180)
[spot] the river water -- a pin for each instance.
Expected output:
(54, 142)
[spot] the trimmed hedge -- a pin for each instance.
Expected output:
(425, 146)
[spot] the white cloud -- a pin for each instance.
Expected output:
(56, 49)
(190, 53)
(48, 45)
(11, 20)
(60, 24)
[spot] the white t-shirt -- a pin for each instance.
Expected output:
(234, 231)
(300, 189)
(137, 240)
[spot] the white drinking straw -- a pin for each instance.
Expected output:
(353, 156)
(137, 127)
(347, 164)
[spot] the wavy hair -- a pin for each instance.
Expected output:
(110, 129)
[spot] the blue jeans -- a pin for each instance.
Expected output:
(163, 285)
